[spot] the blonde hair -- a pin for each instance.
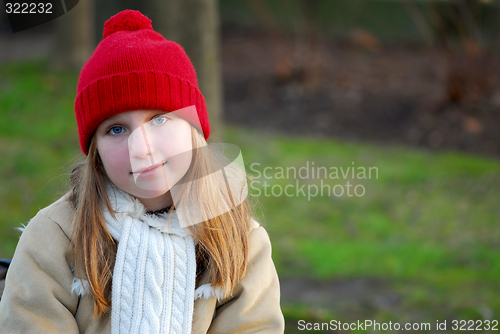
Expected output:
(222, 247)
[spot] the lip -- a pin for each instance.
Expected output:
(148, 172)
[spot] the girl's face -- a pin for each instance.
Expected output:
(145, 153)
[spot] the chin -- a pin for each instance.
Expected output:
(151, 193)
(157, 186)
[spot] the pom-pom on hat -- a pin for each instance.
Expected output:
(135, 68)
(127, 20)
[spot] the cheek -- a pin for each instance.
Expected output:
(175, 140)
(185, 149)
(182, 139)
(175, 144)
(115, 160)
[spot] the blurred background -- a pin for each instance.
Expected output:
(409, 87)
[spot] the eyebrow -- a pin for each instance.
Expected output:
(111, 120)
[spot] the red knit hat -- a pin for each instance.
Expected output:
(134, 68)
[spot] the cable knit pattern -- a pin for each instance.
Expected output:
(155, 271)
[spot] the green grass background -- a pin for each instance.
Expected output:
(428, 224)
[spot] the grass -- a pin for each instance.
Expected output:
(38, 139)
(428, 223)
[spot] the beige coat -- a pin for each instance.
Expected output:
(38, 297)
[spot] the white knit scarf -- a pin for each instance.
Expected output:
(154, 276)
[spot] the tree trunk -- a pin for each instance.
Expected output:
(194, 24)
(74, 37)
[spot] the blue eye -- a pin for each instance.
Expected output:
(159, 120)
(115, 130)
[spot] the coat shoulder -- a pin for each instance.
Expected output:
(254, 224)
(258, 240)
(61, 212)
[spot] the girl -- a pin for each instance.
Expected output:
(156, 234)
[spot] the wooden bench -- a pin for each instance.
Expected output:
(4, 265)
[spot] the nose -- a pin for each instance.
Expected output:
(140, 144)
